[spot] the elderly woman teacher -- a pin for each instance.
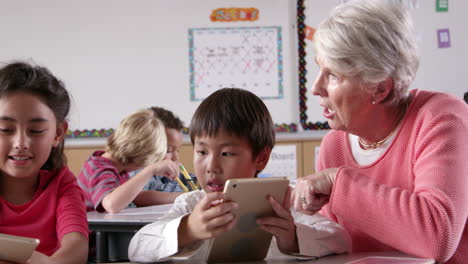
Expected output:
(394, 169)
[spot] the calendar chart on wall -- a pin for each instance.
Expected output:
(243, 57)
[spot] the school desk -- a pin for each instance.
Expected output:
(128, 220)
(276, 257)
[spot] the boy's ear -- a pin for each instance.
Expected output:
(262, 158)
(62, 129)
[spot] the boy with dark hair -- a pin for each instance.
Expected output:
(233, 134)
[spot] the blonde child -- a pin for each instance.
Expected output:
(232, 134)
(39, 196)
(173, 127)
(139, 142)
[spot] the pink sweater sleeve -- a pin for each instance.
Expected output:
(420, 209)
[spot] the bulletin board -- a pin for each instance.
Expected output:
(440, 28)
(243, 57)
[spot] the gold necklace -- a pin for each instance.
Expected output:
(375, 144)
(379, 143)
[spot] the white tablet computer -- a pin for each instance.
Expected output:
(246, 241)
(17, 248)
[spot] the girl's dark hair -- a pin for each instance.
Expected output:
(22, 77)
(168, 118)
(235, 111)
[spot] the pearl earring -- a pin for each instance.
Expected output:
(373, 101)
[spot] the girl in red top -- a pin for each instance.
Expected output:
(39, 196)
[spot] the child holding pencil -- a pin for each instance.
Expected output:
(39, 196)
(185, 182)
(139, 142)
(232, 134)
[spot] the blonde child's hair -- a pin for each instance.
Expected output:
(140, 139)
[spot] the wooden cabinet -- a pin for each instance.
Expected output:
(77, 155)
(308, 155)
(305, 142)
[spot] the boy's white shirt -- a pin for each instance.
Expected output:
(317, 235)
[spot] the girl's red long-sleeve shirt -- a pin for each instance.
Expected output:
(414, 198)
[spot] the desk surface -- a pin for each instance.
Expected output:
(142, 215)
(354, 258)
(104, 218)
(276, 257)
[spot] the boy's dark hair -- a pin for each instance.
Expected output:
(168, 118)
(235, 111)
(21, 77)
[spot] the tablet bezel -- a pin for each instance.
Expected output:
(17, 248)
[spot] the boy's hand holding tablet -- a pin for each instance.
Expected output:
(210, 217)
(282, 226)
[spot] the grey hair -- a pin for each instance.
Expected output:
(371, 40)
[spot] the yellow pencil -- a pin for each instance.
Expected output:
(181, 184)
(187, 176)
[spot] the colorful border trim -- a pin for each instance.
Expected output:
(301, 36)
(287, 128)
(280, 128)
(93, 133)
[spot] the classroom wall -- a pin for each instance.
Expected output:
(117, 56)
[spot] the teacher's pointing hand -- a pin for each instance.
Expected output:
(313, 191)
